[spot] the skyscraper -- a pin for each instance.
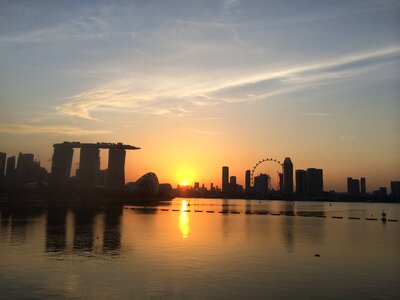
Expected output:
(262, 184)
(353, 186)
(225, 179)
(116, 168)
(61, 165)
(89, 164)
(315, 182)
(395, 189)
(2, 163)
(363, 186)
(301, 182)
(232, 184)
(25, 167)
(287, 176)
(10, 169)
(247, 181)
(281, 182)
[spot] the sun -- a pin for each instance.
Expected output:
(185, 176)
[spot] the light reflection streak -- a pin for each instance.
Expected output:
(184, 220)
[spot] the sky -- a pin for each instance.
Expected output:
(203, 84)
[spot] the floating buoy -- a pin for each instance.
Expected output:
(383, 219)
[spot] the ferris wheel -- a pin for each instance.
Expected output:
(259, 163)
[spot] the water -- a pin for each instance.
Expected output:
(131, 253)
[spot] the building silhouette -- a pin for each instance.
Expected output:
(247, 186)
(395, 189)
(10, 169)
(89, 173)
(301, 182)
(25, 168)
(197, 186)
(232, 184)
(262, 184)
(61, 165)
(287, 176)
(353, 186)
(225, 179)
(146, 185)
(280, 182)
(315, 182)
(116, 168)
(363, 186)
(89, 165)
(3, 157)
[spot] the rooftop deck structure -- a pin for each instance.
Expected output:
(100, 145)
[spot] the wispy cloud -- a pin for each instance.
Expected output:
(83, 27)
(161, 96)
(48, 129)
(263, 85)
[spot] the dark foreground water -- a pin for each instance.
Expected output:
(131, 253)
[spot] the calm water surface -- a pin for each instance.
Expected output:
(128, 252)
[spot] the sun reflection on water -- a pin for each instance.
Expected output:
(184, 220)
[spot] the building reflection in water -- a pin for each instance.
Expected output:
(83, 229)
(184, 220)
(225, 220)
(112, 230)
(56, 220)
(4, 224)
(15, 221)
(302, 217)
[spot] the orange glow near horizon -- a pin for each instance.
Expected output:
(185, 177)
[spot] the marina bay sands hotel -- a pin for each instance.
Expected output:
(89, 164)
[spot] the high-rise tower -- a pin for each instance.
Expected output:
(2, 163)
(287, 176)
(10, 168)
(225, 179)
(363, 186)
(89, 164)
(247, 181)
(25, 167)
(301, 182)
(61, 165)
(315, 181)
(116, 168)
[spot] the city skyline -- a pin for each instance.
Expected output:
(27, 171)
(200, 85)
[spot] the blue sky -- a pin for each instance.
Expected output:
(314, 80)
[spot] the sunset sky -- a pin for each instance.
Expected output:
(202, 84)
